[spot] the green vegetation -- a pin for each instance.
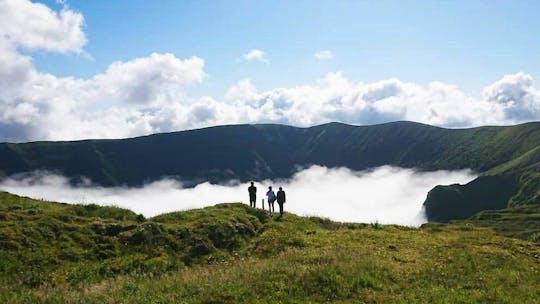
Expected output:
(511, 184)
(519, 222)
(444, 203)
(526, 171)
(45, 242)
(231, 253)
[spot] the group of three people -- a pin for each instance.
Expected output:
(271, 198)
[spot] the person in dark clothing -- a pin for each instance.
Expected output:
(252, 195)
(280, 200)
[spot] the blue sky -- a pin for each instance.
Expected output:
(467, 43)
(77, 69)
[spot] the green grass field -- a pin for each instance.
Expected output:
(231, 253)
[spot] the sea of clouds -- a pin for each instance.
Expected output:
(388, 195)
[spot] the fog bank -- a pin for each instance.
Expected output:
(389, 195)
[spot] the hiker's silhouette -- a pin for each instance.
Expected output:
(252, 195)
(281, 200)
(271, 198)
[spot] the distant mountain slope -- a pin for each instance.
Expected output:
(247, 152)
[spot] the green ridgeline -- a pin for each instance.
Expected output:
(246, 152)
(231, 253)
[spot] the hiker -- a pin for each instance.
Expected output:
(280, 200)
(271, 198)
(252, 195)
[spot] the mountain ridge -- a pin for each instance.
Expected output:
(408, 122)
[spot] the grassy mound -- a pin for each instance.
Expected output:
(49, 243)
(231, 253)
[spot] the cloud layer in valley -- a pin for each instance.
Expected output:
(148, 94)
(385, 194)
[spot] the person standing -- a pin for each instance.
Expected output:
(271, 198)
(281, 200)
(252, 195)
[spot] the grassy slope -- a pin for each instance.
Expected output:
(231, 253)
(511, 184)
(519, 221)
(526, 170)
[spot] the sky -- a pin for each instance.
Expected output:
(79, 69)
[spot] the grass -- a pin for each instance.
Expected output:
(231, 253)
(520, 222)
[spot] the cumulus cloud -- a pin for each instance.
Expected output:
(324, 55)
(517, 97)
(135, 97)
(386, 194)
(143, 80)
(129, 98)
(256, 55)
(35, 26)
(336, 98)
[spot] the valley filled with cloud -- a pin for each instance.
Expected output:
(388, 195)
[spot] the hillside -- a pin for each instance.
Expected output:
(508, 155)
(231, 253)
(511, 184)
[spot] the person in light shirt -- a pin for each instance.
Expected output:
(271, 196)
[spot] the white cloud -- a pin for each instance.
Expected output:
(142, 80)
(134, 97)
(324, 55)
(35, 26)
(130, 98)
(244, 90)
(516, 95)
(340, 194)
(335, 98)
(256, 55)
